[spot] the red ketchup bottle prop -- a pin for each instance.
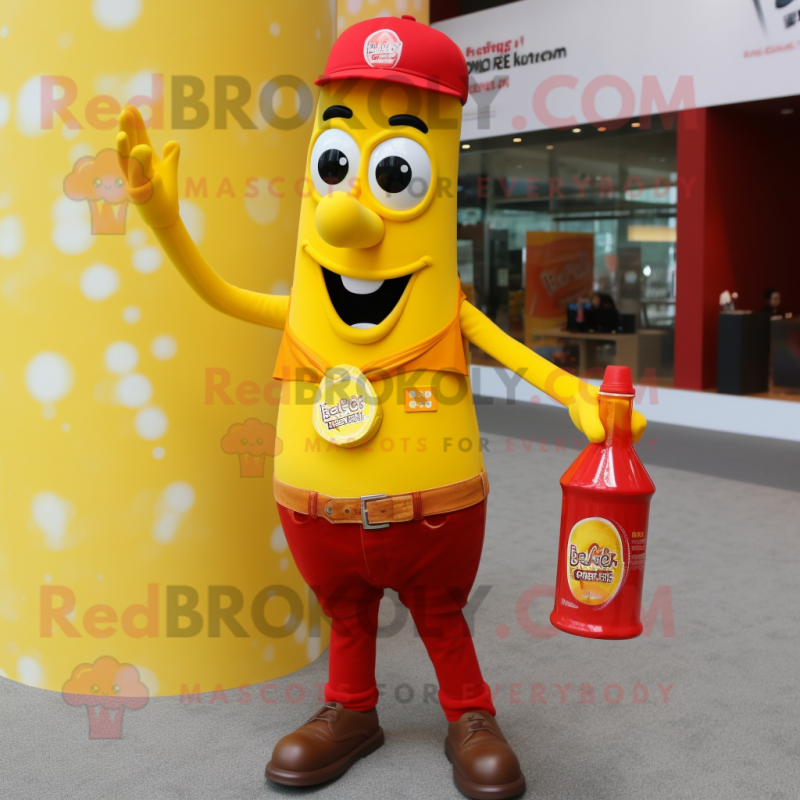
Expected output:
(606, 504)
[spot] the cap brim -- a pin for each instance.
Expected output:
(368, 73)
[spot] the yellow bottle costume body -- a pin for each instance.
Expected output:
(376, 287)
(418, 451)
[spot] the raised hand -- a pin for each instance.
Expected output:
(151, 182)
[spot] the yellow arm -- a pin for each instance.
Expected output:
(579, 397)
(263, 309)
(152, 185)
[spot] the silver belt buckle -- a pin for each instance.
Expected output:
(365, 498)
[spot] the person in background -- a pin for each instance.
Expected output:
(772, 304)
(603, 315)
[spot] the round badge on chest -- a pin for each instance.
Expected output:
(346, 410)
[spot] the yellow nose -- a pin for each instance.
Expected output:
(344, 222)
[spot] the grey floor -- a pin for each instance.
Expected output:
(723, 539)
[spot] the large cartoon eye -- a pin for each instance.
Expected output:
(334, 162)
(116, 688)
(119, 182)
(94, 689)
(399, 173)
(97, 182)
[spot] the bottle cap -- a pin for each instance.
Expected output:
(617, 380)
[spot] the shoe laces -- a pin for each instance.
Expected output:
(326, 714)
(477, 724)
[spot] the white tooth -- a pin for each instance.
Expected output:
(360, 287)
(363, 325)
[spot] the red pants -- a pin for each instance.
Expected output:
(431, 564)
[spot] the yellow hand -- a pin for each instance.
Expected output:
(584, 411)
(151, 182)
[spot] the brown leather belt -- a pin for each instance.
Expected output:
(380, 510)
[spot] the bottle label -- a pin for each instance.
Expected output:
(595, 561)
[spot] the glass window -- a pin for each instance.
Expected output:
(549, 222)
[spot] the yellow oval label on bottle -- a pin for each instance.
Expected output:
(346, 410)
(595, 561)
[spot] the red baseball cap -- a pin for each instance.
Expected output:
(402, 51)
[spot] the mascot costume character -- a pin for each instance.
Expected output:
(381, 482)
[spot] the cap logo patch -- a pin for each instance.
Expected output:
(382, 49)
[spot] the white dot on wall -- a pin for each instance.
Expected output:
(179, 497)
(65, 427)
(147, 260)
(99, 577)
(4, 32)
(79, 150)
(313, 648)
(72, 230)
(194, 220)
(264, 207)
(121, 357)
(48, 377)
(114, 15)
(99, 282)
(300, 632)
(133, 390)
(402, 6)
(135, 237)
(165, 528)
(151, 423)
(283, 564)
(275, 29)
(51, 515)
(341, 24)
(48, 410)
(164, 347)
(318, 33)
(148, 678)
(131, 315)
(65, 40)
(48, 578)
(69, 133)
(30, 671)
(12, 236)
(28, 108)
(280, 287)
(269, 652)
(354, 6)
(158, 453)
(5, 109)
(277, 539)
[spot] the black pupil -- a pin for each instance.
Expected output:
(393, 174)
(333, 166)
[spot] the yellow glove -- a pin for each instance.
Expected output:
(151, 182)
(584, 411)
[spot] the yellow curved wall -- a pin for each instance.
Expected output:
(117, 471)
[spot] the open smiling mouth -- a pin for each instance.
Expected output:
(363, 304)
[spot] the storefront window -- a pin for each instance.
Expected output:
(548, 219)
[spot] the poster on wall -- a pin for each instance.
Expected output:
(537, 64)
(558, 271)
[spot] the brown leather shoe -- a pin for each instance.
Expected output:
(325, 747)
(484, 765)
